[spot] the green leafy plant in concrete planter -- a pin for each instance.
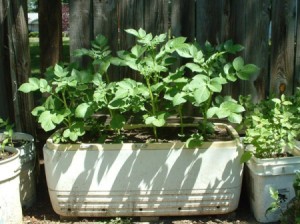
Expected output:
(270, 132)
(144, 174)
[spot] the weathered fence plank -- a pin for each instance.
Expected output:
(183, 18)
(297, 56)
(235, 31)
(50, 33)
(4, 70)
(156, 16)
(80, 25)
(282, 47)
(20, 66)
(130, 15)
(210, 27)
(257, 46)
(105, 21)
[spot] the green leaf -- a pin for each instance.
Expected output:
(149, 120)
(138, 50)
(235, 118)
(238, 63)
(179, 98)
(38, 110)
(157, 121)
(59, 71)
(44, 87)
(103, 67)
(232, 107)
(100, 41)
(231, 77)
(83, 110)
(246, 157)
(160, 120)
(250, 69)
(157, 87)
(212, 112)
(45, 119)
(142, 33)
(32, 85)
(194, 141)
(215, 85)
(194, 67)
(227, 68)
(232, 48)
(117, 61)
(132, 32)
(247, 71)
(117, 121)
(127, 83)
(201, 95)
(76, 130)
(184, 52)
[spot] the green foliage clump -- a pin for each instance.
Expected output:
(271, 127)
(75, 94)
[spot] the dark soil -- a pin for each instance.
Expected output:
(145, 135)
(5, 154)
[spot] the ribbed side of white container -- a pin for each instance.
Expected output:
(261, 175)
(10, 206)
(155, 179)
(163, 203)
(28, 168)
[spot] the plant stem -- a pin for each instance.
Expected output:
(66, 106)
(181, 119)
(153, 105)
(206, 107)
(107, 78)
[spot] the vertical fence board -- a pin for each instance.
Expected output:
(130, 15)
(20, 66)
(236, 32)
(105, 22)
(156, 16)
(80, 25)
(210, 27)
(50, 33)
(183, 18)
(4, 66)
(257, 46)
(297, 56)
(282, 48)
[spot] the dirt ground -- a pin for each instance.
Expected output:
(42, 213)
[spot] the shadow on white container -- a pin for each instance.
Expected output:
(144, 179)
(261, 175)
(28, 168)
(10, 206)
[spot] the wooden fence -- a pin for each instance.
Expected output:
(268, 29)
